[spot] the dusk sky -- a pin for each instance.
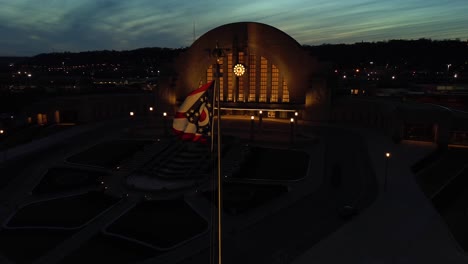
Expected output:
(29, 27)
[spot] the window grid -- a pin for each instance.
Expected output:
(241, 80)
(274, 84)
(285, 92)
(251, 85)
(210, 77)
(221, 80)
(209, 74)
(263, 79)
(230, 78)
(252, 77)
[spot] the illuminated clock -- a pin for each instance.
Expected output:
(239, 70)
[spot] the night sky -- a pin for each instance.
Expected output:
(29, 27)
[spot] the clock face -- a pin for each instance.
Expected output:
(239, 69)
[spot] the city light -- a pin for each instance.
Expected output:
(132, 114)
(252, 117)
(387, 154)
(292, 120)
(151, 108)
(164, 114)
(2, 131)
(261, 112)
(296, 113)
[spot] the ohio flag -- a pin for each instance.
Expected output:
(193, 119)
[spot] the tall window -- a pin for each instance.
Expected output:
(274, 84)
(240, 80)
(285, 92)
(230, 78)
(221, 80)
(252, 77)
(263, 79)
(254, 85)
(210, 75)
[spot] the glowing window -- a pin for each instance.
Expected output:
(230, 78)
(241, 80)
(252, 77)
(285, 92)
(263, 79)
(274, 84)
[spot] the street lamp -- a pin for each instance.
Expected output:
(260, 119)
(151, 109)
(165, 123)
(132, 113)
(252, 121)
(296, 117)
(387, 157)
(292, 130)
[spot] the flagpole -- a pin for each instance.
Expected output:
(214, 178)
(218, 55)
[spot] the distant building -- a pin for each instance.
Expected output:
(263, 68)
(273, 73)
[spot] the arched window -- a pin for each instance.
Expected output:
(262, 81)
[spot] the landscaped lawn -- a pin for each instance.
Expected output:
(109, 154)
(65, 212)
(109, 249)
(26, 245)
(67, 179)
(273, 164)
(242, 197)
(160, 223)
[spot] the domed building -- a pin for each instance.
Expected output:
(261, 68)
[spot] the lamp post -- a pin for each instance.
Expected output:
(260, 119)
(165, 123)
(292, 131)
(252, 122)
(296, 117)
(5, 150)
(387, 157)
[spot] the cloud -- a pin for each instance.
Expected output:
(40, 26)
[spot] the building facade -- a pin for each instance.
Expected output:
(260, 68)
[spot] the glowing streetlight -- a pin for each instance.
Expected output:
(151, 109)
(252, 122)
(166, 133)
(291, 138)
(260, 119)
(132, 113)
(2, 131)
(387, 157)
